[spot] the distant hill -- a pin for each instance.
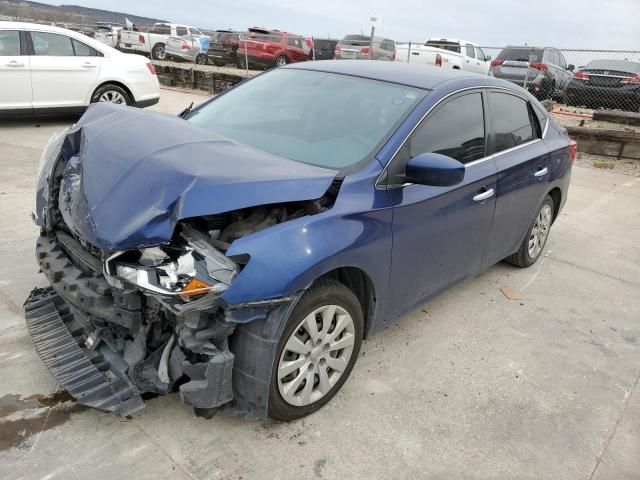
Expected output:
(24, 9)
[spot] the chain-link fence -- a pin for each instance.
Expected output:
(576, 77)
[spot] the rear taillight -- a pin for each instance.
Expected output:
(580, 76)
(185, 46)
(141, 38)
(573, 150)
(539, 66)
(152, 69)
(496, 63)
(635, 79)
(438, 60)
(365, 50)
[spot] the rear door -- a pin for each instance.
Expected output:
(523, 170)
(295, 49)
(64, 70)
(440, 233)
(15, 77)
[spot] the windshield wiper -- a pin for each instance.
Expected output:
(186, 113)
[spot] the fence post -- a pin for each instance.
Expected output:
(409, 53)
(313, 47)
(246, 56)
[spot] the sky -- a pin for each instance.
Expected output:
(590, 24)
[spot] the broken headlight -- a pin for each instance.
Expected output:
(190, 269)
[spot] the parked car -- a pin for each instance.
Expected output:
(223, 47)
(268, 48)
(606, 84)
(154, 41)
(192, 48)
(541, 70)
(360, 47)
(279, 224)
(446, 53)
(323, 48)
(107, 34)
(51, 69)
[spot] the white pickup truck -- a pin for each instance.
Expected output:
(153, 42)
(445, 53)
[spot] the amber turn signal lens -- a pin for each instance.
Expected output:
(194, 287)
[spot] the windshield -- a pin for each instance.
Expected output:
(320, 118)
(615, 65)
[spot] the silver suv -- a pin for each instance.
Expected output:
(360, 47)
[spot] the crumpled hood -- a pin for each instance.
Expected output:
(131, 176)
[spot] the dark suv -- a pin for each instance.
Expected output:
(223, 47)
(541, 70)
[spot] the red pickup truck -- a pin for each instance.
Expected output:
(267, 48)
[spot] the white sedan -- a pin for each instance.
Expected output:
(47, 69)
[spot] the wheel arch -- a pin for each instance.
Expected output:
(556, 195)
(359, 282)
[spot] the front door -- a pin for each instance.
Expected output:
(64, 71)
(440, 233)
(15, 78)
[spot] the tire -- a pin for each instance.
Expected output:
(158, 52)
(316, 363)
(111, 93)
(281, 61)
(537, 233)
(202, 59)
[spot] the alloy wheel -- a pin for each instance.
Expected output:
(316, 355)
(539, 231)
(112, 96)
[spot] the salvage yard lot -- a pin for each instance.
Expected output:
(469, 385)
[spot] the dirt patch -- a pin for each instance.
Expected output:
(32, 415)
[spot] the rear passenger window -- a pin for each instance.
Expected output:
(470, 51)
(512, 124)
(51, 44)
(9, 43)
(456, 129)
(181, 31)
(83, 50)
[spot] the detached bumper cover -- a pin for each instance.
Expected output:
(55, 331)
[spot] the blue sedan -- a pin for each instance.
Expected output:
(240, 253)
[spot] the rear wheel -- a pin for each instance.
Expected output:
(111, 93)
(158, 52)
(534, 241)
(201, 59)
(316, 351)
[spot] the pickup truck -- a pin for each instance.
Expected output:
(445, 53)
(154, 41)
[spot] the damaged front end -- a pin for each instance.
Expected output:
(116, 323)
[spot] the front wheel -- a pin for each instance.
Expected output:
(316, 351)
(281, 61)
(536, 237)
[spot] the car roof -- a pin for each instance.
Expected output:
(420, 76)
(39, 27)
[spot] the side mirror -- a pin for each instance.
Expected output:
(571, 67)
(487, 58)
(435, 170)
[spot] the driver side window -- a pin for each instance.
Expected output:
(455, 129)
